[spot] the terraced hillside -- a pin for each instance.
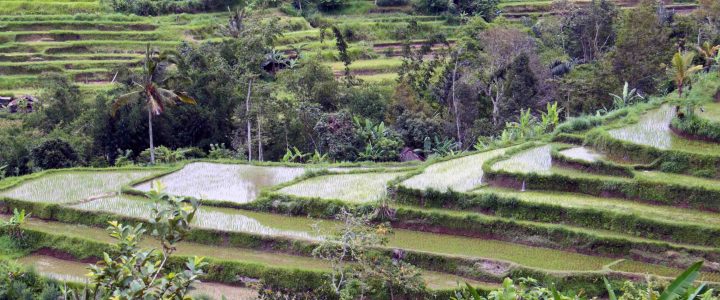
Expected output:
(568, 211)
(621, 198)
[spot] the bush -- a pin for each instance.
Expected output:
(54, 154)
(391, 2)
(697, 128)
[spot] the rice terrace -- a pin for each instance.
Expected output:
(360, 149)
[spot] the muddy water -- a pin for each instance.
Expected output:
(56, 268)
(74, 271)
(460, 174)
(228, 182)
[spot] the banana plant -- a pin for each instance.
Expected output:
(551, 117)
(628, 97)
(680, 287)
(294, 155)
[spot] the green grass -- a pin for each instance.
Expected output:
(379, 78)
(671, 178)
(48, 7)
(67, 187)
(459, 174)
(358, 188)
(434, 279)
(711, 111)
(381, 64)
(636, 267)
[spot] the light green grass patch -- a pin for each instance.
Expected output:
(460, 174)
(68, 187)
(358, 188)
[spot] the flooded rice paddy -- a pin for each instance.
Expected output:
(622, 206)
(211, 217)
(653, 129)
(535, 160)
(583, 154)
(73, 271)
(460, 174)
(66, 187)
(227, 182)
(359, 188)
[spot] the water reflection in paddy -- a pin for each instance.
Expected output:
(228, 182)
(212, 217)
(653, 129)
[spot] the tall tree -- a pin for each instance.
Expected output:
(643, 45)
(589, 30)
(149, 88)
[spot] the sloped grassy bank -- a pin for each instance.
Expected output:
(652, 191)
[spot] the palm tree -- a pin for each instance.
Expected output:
(682, 69)
(150, 91)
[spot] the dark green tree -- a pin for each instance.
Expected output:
(54, 154)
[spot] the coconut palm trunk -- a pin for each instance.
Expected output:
(150, 134)
(247, 115)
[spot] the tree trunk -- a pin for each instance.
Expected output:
(259, 135)
(150, 133)
(247, 116)
(455, 108)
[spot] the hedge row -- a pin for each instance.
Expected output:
(462, 266)
(514, 208)
(217, 270)
(648, 191)
(672, 161)
(230, 272)
(478, 225)
(697, 128)
(597, 166)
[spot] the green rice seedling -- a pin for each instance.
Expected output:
(616, 205)
(653, 129)
(535, 160)
(672, 178)
(583, 154)
(529, 256)
(68, 187)
(710, 111)
(642, 268)
(358, 188)
(228, 182)
(460, 174)
(47, 7)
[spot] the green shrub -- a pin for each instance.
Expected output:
(392, 2)
(697, 127)
(54, 154)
